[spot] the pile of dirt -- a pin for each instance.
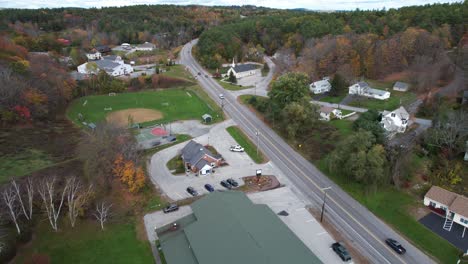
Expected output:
(262, 183)
(137, 115)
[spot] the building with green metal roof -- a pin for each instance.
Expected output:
(226, 227)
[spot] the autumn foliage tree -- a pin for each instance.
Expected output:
(125, 170)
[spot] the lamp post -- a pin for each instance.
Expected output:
(324, 200)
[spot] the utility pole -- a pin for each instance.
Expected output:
(324, 200)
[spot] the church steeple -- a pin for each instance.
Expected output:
(233, 63)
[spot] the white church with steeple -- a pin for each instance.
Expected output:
(244, 70)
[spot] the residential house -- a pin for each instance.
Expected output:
(199, 159)
(228, 228)
(112, 65)
(452, 206)
(401, 86)
(94, 54)
(244, 70)
(126, 46)
(363, 89)
(147, 46)
(103, 49)
(395, 121)
(321, 86)
(327, 113)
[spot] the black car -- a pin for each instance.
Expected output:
(192, 191)
(209, 187)
(226, 185)
(232, 182)
(395, 246)
(170, 208)
(341, 251)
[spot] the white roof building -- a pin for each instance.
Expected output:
(395, 121)
(400, 86)
(112, 65)
(145, 46)
(327, 113)
(363, 89)
(321, 86)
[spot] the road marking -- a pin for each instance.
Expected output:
(216, 88)
(311, 220)
(300, 209)
(323, 233)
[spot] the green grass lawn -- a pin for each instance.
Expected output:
(178, 71)
(175, 104)
(176, 164)
(380, 84)
(86, 243)
(392, 205)
(345, 127)
(232, 87)
(333, 99)
(23, 163)
(405, 98)
(249, 147)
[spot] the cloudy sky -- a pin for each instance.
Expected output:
(310, 4)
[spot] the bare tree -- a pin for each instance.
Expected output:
(48, 193)
(10, 199)
(28, 209)
(77, 196)
(102, 213)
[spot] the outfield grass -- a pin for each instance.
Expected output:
(392, 205)
(86, 243)
(232, 87)
(405, 98)
(249, 147)
(175, 104)
(23, 163)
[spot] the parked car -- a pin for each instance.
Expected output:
(192, 191)
(221, 96)
(170, 208)
(226, 185)
(341, 251)
(395, 246)
(209, 187)
(232, 182)
(236, 148)
(199, 73)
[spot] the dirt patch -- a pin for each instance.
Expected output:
(260, 184)
(138, 115)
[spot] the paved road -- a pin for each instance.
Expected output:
(366, 231)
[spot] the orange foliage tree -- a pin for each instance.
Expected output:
(125, 170)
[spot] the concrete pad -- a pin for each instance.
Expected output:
(300, 221)
(159, 219)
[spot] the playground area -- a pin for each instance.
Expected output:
(154, 136)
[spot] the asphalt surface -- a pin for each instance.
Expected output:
(365, 231)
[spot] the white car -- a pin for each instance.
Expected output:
(236, 148)
(221, 96)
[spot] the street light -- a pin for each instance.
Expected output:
(324, 199)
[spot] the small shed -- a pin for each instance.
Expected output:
(207, 118)
(400, 86)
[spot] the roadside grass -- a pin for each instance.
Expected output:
(345, 127)
(23, 163)
(392, 205)
(175, 104)
(247, 144)
(396, 99)
(176, 164)
(178, 71)
(86, 243)
(232, 87)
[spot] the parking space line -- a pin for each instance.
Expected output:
(323, 233)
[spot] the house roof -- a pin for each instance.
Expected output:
(401, 85)
(399, 112)
(244, 67)
(103, 48)
(320, 83)
(441, 195)
(377, 91)
(326, 109)
(106, 65)
(363, 84)
(194, 152)
(460, 205)
(230, 229)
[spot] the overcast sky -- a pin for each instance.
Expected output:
(309, 4)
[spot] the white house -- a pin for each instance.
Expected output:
(452, 206)
(400, 86)
(321, 86)
(94, 55)
(327, 113)
(395, 121)
(243, 70)
(112, 65)
(363, 89)
(145, 46)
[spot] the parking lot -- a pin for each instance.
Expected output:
(240, 165)
(159, 219)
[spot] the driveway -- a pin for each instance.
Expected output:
(300, 221)
(240, 165)
(454, 236)
(159, 219)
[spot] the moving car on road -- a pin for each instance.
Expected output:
(192, 191)
(226, 185)
(209, 187)
(236, 148)
(221, 96)
(341, 251)
(232, 182)
(170, 208)
(395, 246)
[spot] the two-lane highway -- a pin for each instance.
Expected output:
(360, 226)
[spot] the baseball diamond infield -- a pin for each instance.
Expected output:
(138, 115)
